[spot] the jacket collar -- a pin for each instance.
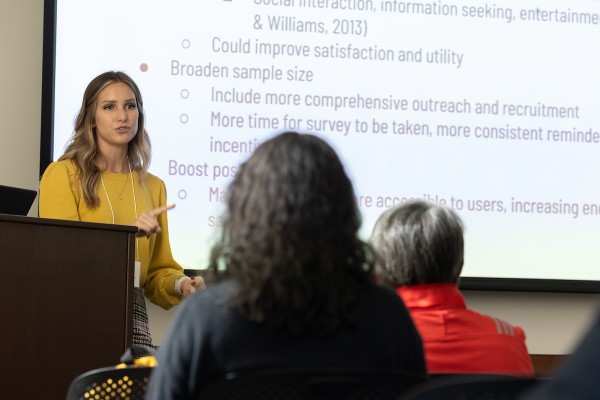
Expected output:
(432, 296)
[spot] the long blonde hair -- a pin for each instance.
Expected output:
(82, 148)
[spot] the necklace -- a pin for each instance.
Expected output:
(112, 212)
(120, 194)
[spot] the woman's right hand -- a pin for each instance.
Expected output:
(147, 224)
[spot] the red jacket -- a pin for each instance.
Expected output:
(458, 340)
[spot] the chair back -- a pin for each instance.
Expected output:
(312, 384)
(127, 383)
(470, 387)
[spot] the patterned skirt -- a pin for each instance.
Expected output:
(141, 328)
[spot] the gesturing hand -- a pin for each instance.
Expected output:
(147, 224)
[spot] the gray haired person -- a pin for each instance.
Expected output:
(421, 253)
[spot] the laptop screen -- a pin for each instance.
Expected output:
(16, 201)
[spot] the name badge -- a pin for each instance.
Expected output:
(136, 274)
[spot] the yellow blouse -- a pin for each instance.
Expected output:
(62, 198)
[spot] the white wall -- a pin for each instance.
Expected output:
(21, 30)
(553, 322)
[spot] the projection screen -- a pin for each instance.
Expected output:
(490, 108)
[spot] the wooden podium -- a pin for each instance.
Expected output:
(67, 302)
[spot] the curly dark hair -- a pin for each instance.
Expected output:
(290, 237)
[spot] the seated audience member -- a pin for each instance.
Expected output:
(576, 377)
(421, 253)
(295, 284)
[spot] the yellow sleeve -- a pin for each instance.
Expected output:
(59, 198)
(163, 270)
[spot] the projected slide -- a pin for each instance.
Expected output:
(490, 108)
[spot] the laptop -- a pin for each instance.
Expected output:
(16, 201)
